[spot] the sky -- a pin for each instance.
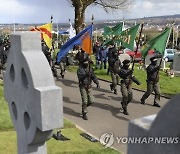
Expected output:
(39, 11)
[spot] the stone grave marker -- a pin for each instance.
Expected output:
(157, 134)
(176, 62)
(34, 101)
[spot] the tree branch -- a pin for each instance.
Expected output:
(112, 5)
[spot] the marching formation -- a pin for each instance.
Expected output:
(78, 51)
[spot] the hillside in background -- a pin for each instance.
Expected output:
(150, 21)
(157, 20)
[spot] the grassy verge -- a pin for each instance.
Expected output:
(5, 120)
(76, 145)
(169, 86)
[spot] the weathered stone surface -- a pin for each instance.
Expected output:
(176, 62)
(35, 103)
(165, 125)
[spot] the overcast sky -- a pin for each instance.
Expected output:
(39, 11)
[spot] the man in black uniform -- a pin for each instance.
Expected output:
(114, 67)
(111, 50)
(47, 53)
(85, 76)
(152, 82)
(126, 74)
(81, 57)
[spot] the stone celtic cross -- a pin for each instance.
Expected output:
(34, 101)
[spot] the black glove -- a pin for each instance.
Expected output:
(157, 67)
(88, 73)
(130, 72)
(135, 80)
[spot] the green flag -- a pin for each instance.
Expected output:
(126, 37)
(114, 30)
(158, 43)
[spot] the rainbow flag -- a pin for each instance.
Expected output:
(84, 39)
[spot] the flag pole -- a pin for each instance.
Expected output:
(137, 46)
(51, 28)
(89, 61)
(177, 35)
(51, 49)
(92, 20)
(162, 56)
(57, 34)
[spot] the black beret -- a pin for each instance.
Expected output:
(153, 59)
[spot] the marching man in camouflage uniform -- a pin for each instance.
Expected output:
(152, 82)
(85, 76)
(126, 74)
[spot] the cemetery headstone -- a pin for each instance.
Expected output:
(34, 101)
(176, 63)
(157, 134)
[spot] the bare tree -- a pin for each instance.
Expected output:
(81, 5)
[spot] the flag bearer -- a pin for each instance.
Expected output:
(126, 74)
(152, 82)
(85, 76)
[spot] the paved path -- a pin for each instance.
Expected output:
(105, 115)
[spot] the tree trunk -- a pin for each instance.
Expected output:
(79, 18)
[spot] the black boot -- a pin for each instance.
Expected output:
(62, 75)
(89, 104)
(111, 87)
(115, 91)
(85, 116)
(142, 101)
(156, 105)
(125, 111)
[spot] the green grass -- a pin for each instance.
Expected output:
(76, 145)
(169, 86)
(5, 120)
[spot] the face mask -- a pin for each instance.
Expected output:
(85, 65)
(154, 62)
(126, 66)
(115, 55)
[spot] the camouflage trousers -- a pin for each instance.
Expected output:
(150, 88)
(87, 97)
(62, 67)
(115, 80)
(126, 95)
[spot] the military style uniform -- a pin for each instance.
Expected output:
(46, 52)
(114, 67)
(126, 82)
(81, 57)
(85, 76)
(62, 65)
(152, 82)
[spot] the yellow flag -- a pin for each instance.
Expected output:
(46, 33)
